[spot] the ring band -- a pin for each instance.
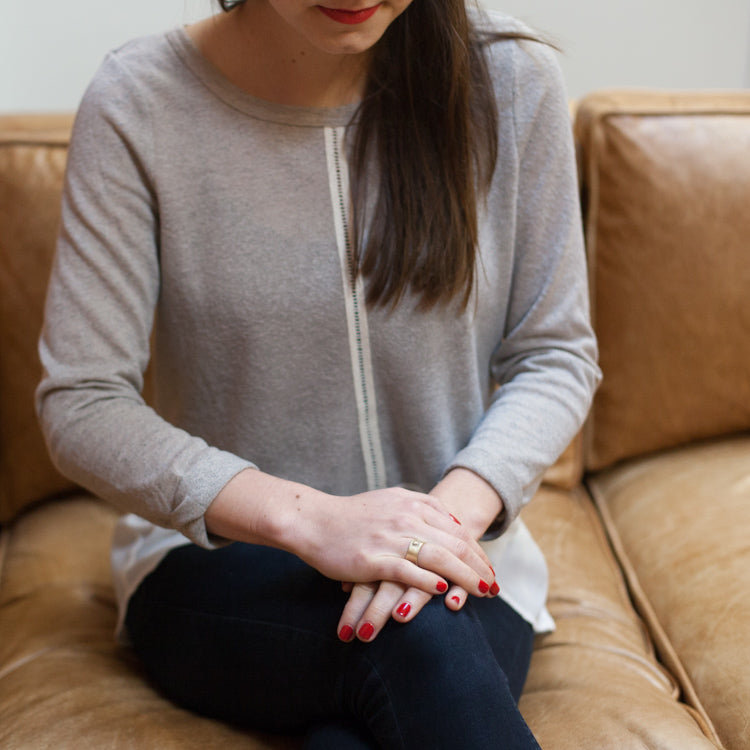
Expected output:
(412, 551)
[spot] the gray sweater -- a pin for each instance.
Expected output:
(213, 226)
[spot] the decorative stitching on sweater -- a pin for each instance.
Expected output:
(356, 314)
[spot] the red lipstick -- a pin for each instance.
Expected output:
(349, 17)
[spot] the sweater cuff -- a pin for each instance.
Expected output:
(198, 489)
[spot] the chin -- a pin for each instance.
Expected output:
(347, 46)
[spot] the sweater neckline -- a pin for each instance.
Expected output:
(235, 97)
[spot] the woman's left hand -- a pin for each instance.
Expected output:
(371, 605)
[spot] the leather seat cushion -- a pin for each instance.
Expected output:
(63, 679)
(680, 523)
(593, 683)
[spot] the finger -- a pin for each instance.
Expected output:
(437, 515)
(444, 562)
(465, 548)
(409, 605)
(360, 596)
(447, 557)
(434, 513)
(378, 610)
(399, 570)
(456, 598)
(346, 586)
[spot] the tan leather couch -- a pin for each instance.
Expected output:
(649, 555)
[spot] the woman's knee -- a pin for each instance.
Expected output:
(441, 656)
(435, 682)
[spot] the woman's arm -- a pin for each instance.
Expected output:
(95, 344)
(362, 538)
(545, 361)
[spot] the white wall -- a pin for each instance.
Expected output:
(49, 49)
(661, 43)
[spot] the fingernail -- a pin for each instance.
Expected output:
(442, 587)
(483, 587)
(346, 633)
(366, 631)
(456, 599)
(404, 609)
(494, 589)
(454, 518)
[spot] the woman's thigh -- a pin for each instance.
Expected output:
(248, 634)
(244, 633)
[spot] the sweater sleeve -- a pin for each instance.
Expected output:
(545, 364)
(94, 347)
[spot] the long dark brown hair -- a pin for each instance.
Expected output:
(428, 123)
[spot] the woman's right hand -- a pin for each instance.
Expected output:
(362, 538)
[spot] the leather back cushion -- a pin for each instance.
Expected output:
(667, 211)
(32, 161)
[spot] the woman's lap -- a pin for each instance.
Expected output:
(248, 634)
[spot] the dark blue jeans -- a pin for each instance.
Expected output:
(247, 634)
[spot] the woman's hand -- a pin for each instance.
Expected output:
(371, 605)
(364, 539)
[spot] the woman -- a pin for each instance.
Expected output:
(340, 226)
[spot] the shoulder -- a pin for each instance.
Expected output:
(138, 88)
(119, 103)
(521, 62)
(528, 83)
(134, 73)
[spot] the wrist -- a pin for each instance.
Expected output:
(258, 508)
(470, 498)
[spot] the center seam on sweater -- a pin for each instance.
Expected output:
(356, 314)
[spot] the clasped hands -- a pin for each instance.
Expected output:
(363, 540)
(372, 532)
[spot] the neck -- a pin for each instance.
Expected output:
(261, 55)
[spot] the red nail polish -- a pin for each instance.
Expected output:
(404, 609)
(454, 518)
(366, 631)
(442, 587)
(455, 599)
(346, 633)
(494, 589)
(483, 587)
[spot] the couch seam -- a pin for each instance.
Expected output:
(666, 651)
(4, 543)
(588, 133)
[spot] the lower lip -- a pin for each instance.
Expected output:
(349, 17)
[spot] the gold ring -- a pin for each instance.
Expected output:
(412, 551)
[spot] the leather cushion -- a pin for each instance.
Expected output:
(567, 472)
(593, 683)
(32, 161)
(667, 180)
(63, 679)
(679, 522)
